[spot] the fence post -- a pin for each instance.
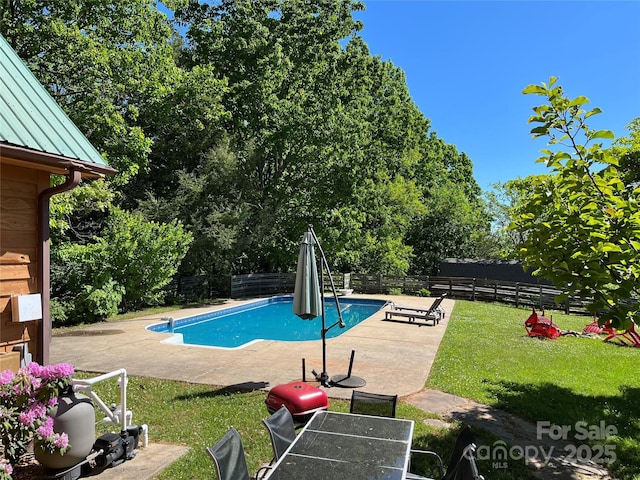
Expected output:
(517, 294)
(541, 304)
(473, 291)
(495, 291)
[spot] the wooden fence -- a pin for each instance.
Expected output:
(474, 289)
(464, 288)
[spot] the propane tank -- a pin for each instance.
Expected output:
(74, 416)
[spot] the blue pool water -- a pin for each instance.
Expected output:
(270, 319)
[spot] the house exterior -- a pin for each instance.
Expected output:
(37, 139)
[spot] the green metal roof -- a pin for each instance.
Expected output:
(31, 119)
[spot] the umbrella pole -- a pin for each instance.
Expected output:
(324, 376)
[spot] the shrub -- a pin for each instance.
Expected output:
(26, 399)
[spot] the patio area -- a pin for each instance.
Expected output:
(392, 357)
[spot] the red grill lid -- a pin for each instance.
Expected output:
(300, 398)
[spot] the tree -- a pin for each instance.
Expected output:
(111, 66)
(100, 61)
(449, 229)
(627, 151)
(125, 268)
(321, 133)
(582, 223)
(501, 202)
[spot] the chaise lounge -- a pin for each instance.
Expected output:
(432, 314)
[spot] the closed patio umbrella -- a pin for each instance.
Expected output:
(307, 302)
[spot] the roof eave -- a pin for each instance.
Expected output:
(55, 162)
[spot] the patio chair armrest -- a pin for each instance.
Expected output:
(431, 454)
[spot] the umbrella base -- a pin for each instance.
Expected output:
(347, 381)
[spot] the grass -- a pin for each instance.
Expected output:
(485, 356)
(198, 415)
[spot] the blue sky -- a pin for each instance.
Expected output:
(467, 62)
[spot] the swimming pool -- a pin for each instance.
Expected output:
(269, 319)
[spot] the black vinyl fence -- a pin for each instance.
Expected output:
(464, 288)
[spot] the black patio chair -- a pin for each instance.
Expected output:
(462, 464)
(376, 404)
(281, 430)
(229, 458)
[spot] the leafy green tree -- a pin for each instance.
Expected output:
(83, 290)
(455, 222)
(627, 151)
(501, 202)
(101, 61)
(209, 202)
(322, 133)
(142, 256)
(582, 223)
(126, 268)
(448, 230)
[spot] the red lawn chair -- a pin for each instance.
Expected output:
(540, 326)
(627, 338)
(594, 327)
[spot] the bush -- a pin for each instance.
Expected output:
(100, 303)
(26, 399)
(126, 268)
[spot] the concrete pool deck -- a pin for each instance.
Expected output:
(392, 357)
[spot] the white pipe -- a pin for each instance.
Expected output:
(91, 381)
(122, 382)
(145, 434)
(121, 415)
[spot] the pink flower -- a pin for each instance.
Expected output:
(25, 399)
(61, 440)
(64, 370)
(36, 383)
(6, 466)
(54, 372)
(46, 430)
(26, 417)
(35, 412)
(39, 409)
(33, 369)
(6, 377)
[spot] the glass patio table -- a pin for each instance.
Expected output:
(337, 445)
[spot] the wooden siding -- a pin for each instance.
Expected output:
(19, 262)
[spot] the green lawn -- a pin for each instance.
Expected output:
(485, 355)
(198, 415)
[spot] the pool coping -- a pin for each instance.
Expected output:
(392, 357)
